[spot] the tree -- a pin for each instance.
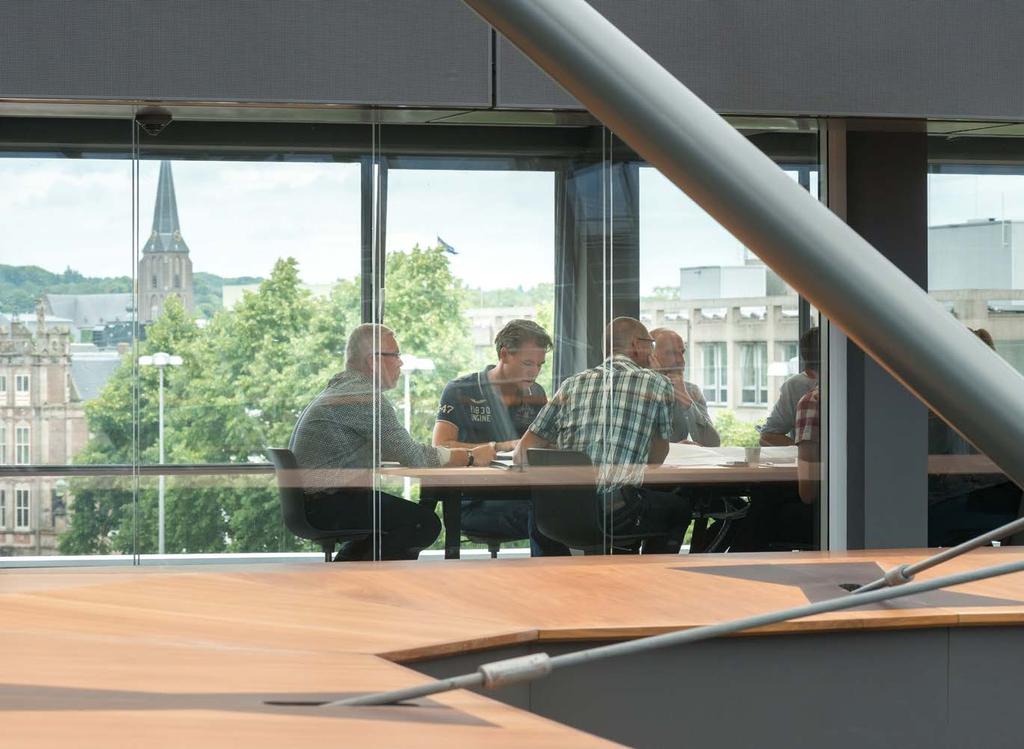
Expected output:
(246, 377)
(423, 305)
(735, 433)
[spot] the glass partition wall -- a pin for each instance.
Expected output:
(976, 272)
(68, 221)
(191, 294)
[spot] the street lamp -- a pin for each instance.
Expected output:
(411, 364)
(161, 360)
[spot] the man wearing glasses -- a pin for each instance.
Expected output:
(496, 406)
(337, 431)
(690, 419)
(620, 414)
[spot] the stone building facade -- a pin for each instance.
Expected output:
(42, 421)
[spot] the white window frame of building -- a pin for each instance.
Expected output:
(3, 509)
(787, 350)
(753, 373)
(3, 383)
(22, 509)
(3, 444)
(21, 383)
(715, 372)
(22, 445)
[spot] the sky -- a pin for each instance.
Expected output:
(239, 217)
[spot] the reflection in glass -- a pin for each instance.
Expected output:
(976, 271)
(66, 284)
(739, 323)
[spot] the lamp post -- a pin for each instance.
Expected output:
(411, 364)
(160, 360)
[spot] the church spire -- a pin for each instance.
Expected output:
(166, 235)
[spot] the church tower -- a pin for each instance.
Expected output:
(165, 269)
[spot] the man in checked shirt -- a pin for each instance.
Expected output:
(620, 414)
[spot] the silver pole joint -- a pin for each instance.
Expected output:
(898, 576)
(513, 670)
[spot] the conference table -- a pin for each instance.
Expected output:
(450, 485)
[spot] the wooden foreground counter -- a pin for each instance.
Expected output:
(186, 656)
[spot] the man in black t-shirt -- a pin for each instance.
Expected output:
(497, 405)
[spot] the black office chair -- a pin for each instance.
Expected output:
(493, 542)
(722, 513)
(293, 507)
(574, 515)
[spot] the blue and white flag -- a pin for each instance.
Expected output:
(446, 247)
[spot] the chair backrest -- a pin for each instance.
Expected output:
(293, 499)
(568, 514)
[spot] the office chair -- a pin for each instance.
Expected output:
(493, 542)
(573, 515)
(293, 507)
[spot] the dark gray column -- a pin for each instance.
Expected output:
(887, 440)
(597, 240)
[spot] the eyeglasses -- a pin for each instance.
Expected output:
(395, 354)
(649, 340)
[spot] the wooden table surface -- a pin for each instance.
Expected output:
(584, 475)
(185, 656)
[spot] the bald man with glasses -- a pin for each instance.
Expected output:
(337, 431)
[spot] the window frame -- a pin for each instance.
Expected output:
(760, 372)
(720, 368)
(19, 493)
(20, 445)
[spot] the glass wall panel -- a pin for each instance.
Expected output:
(249, 284)
(468, 290)
(730, 330)
(66, 330)
(497, 258)
(976, 271)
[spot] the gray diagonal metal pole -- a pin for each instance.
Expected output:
(882, 310)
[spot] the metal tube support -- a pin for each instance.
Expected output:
(160, 501)
(905, 572)
(876, 305)
(512, 672)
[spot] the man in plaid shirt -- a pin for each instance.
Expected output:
(807, 436)
(620, 414)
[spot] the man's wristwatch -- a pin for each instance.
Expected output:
(469, 458)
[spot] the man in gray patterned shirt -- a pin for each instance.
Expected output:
(619, 414)
(336, 431)
(690, 419)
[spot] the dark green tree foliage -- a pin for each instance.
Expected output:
(207, 291)
(21, 286)
(245, 378)
(422, 306)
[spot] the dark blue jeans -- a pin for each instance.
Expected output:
(511, 518)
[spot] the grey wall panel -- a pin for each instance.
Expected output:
(984, 686)
(410, 52)
(915, 58)
(900, 688)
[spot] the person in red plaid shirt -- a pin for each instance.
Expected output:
(807, 436)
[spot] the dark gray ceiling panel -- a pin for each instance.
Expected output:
(387, 52)
(906, 58)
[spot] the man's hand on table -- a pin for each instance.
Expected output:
(483, 454)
